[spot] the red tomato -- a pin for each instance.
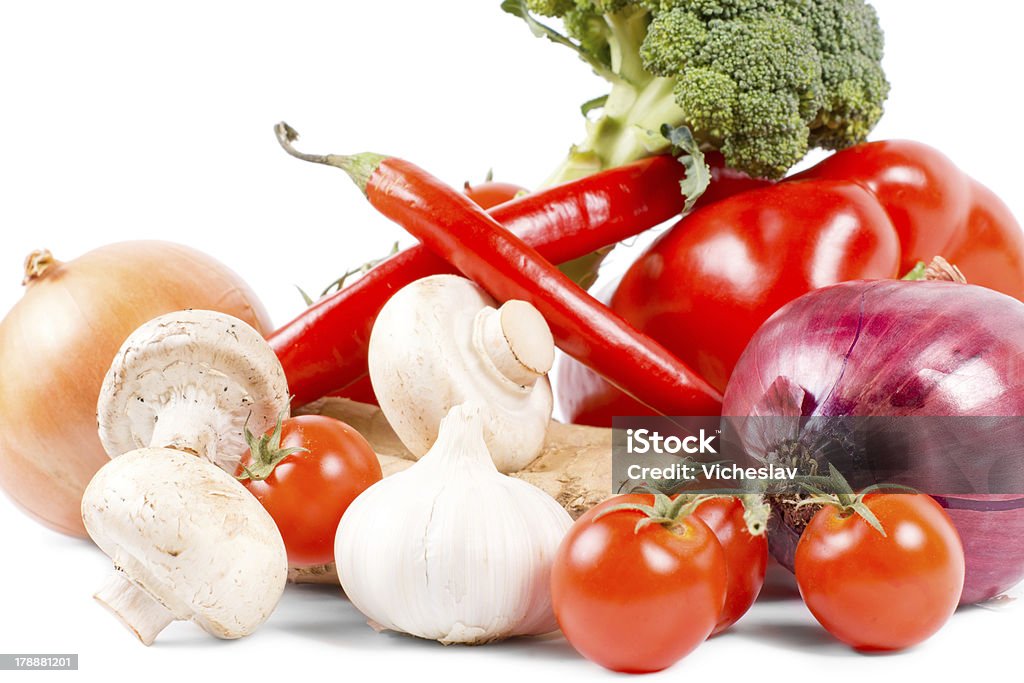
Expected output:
(637, 602)
(308, 492)
(878, 592)
(746, 556)
(490, 193)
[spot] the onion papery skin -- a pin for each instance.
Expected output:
(57, 343)
(889, 348)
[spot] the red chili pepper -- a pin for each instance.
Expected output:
(324, 348)
(449, 224)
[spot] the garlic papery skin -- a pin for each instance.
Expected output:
(451, 549)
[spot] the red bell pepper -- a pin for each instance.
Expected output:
(871, 211)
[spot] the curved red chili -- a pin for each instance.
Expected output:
(449, 224)
(324, 348)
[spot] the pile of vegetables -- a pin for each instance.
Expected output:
(458, 510)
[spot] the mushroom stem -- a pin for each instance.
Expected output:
(191, 423)
(517, 341)
(136, 608)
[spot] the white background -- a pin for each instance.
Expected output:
(145, 120)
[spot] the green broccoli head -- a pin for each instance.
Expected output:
(761, 80)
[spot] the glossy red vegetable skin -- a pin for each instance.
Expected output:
(703, 289)
(933, 207)
(324, 348)
(876, 592)
(308, 492)
(637, 602)
(726, 182)
(361, 390)
(450, 225)
(990, 252)
(491, 193)
(937, 210)
(705, 286)
(746, 556)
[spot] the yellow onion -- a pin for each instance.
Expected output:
(57, 343)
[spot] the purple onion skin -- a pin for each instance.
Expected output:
(894, 348)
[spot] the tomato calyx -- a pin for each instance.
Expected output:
(265, 451)
(842, 496)
(670, 512)
(755, 513)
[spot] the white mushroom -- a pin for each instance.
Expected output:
(189, 380)
(187, 540)
(440, 342)
(188, 543)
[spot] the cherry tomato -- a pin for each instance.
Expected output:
(637, 601)
(307, 492)
(878, 592)
(490, 193)
(746, 556)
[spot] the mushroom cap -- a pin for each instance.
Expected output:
(425, 358)
(206, 372)
(191, 536)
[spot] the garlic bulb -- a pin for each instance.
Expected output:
(450, 549)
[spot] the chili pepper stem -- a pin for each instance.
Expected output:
(359, 167)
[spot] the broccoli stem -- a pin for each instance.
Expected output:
(627, 129)
(627, 32)
(636, 108)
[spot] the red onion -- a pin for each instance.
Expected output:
(906, 349)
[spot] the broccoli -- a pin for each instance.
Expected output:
(760, 80)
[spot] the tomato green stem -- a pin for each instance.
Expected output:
(665, 511)
(843, 497)
(266, 452)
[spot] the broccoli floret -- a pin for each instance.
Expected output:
(761, 80)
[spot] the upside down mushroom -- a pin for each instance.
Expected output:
(188, 542)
